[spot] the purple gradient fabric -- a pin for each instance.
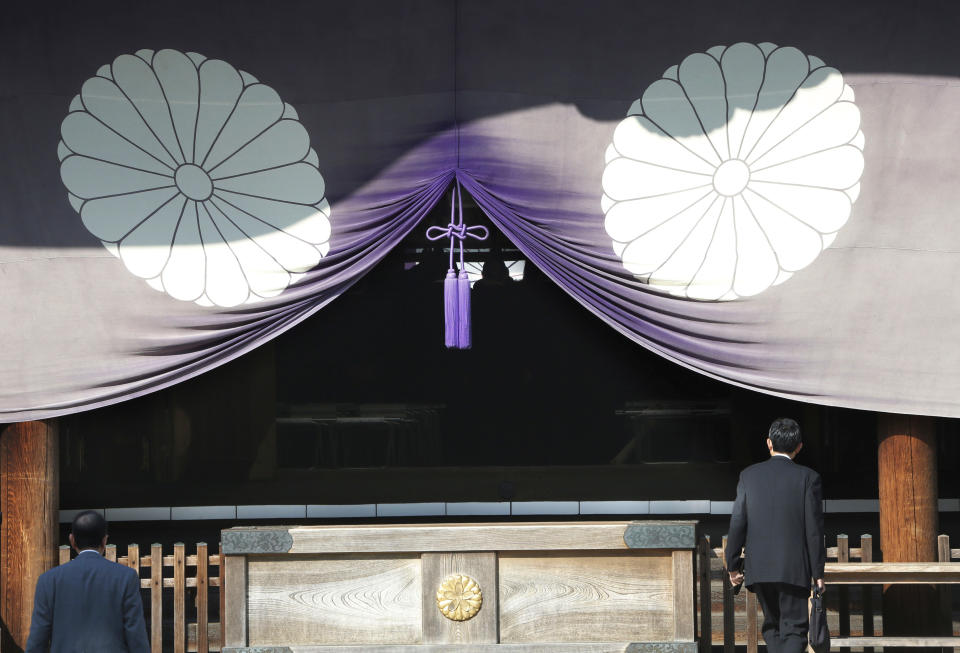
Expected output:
(391, 103)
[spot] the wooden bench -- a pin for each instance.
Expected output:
(941, 642)
(893, 573)
(839, 575)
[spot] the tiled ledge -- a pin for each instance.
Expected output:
(464, 509)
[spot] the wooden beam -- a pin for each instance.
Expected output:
(729, 624)
(938, 642)
(29, 501)
(706, 598)
(179, 598)
(892, 573)
(234, 614)
(866, 557)
(907, 460)
(843, 598)
(513, 536)
(946, 593)
(551, 647)
(753, 638)
(156, 597)
(684, 628)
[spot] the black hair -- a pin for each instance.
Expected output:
(785, 435)
(89, 528)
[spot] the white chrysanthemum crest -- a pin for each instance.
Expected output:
(733, 171)
(195, 175)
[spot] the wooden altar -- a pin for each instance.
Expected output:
(575, 587)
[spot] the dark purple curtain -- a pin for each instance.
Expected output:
(762, 194)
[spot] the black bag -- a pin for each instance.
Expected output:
(819, 633)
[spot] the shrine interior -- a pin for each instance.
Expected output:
(361, 403)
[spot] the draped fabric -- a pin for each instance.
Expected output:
(763, 194)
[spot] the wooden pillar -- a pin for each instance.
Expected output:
(907, 460)
(30, 502)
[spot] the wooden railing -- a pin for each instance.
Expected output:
(739, 619)
(186, 571)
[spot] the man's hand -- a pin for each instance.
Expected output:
(821, 585)
(736, 577)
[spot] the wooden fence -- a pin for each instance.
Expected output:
(853, 616)
(179, 574)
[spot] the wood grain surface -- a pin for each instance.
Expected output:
(29, 502)
(866, 555)
(133, 557)
(482, 628)
(843, 594)
(892, 573)
(156, 601)
(753, 636)
(907, 465)
(222, 562)
(907, 471)
(179, 598)
(234, 613)
(344, 600)
(586, 596)
(912, 642)
(202, 630)
(684, 626)
(615, 647)
(458, 537)
(704, 594)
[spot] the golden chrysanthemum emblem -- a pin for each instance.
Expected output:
(459, 597)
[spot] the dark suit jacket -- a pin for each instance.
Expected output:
(89, 605)
(778, 519)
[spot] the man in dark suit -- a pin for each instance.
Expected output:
(90, 604)
(778, 519)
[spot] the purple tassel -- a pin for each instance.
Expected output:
(456, 289)
(450, 308)
(464, 335)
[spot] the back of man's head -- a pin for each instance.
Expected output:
(785, 435)
(89, 528)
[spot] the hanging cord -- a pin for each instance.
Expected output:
(456, 287)
(463, 228)
(456, 230)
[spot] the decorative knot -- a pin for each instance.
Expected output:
(458, 231)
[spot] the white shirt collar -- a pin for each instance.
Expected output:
(89, 551)
(787, 456)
